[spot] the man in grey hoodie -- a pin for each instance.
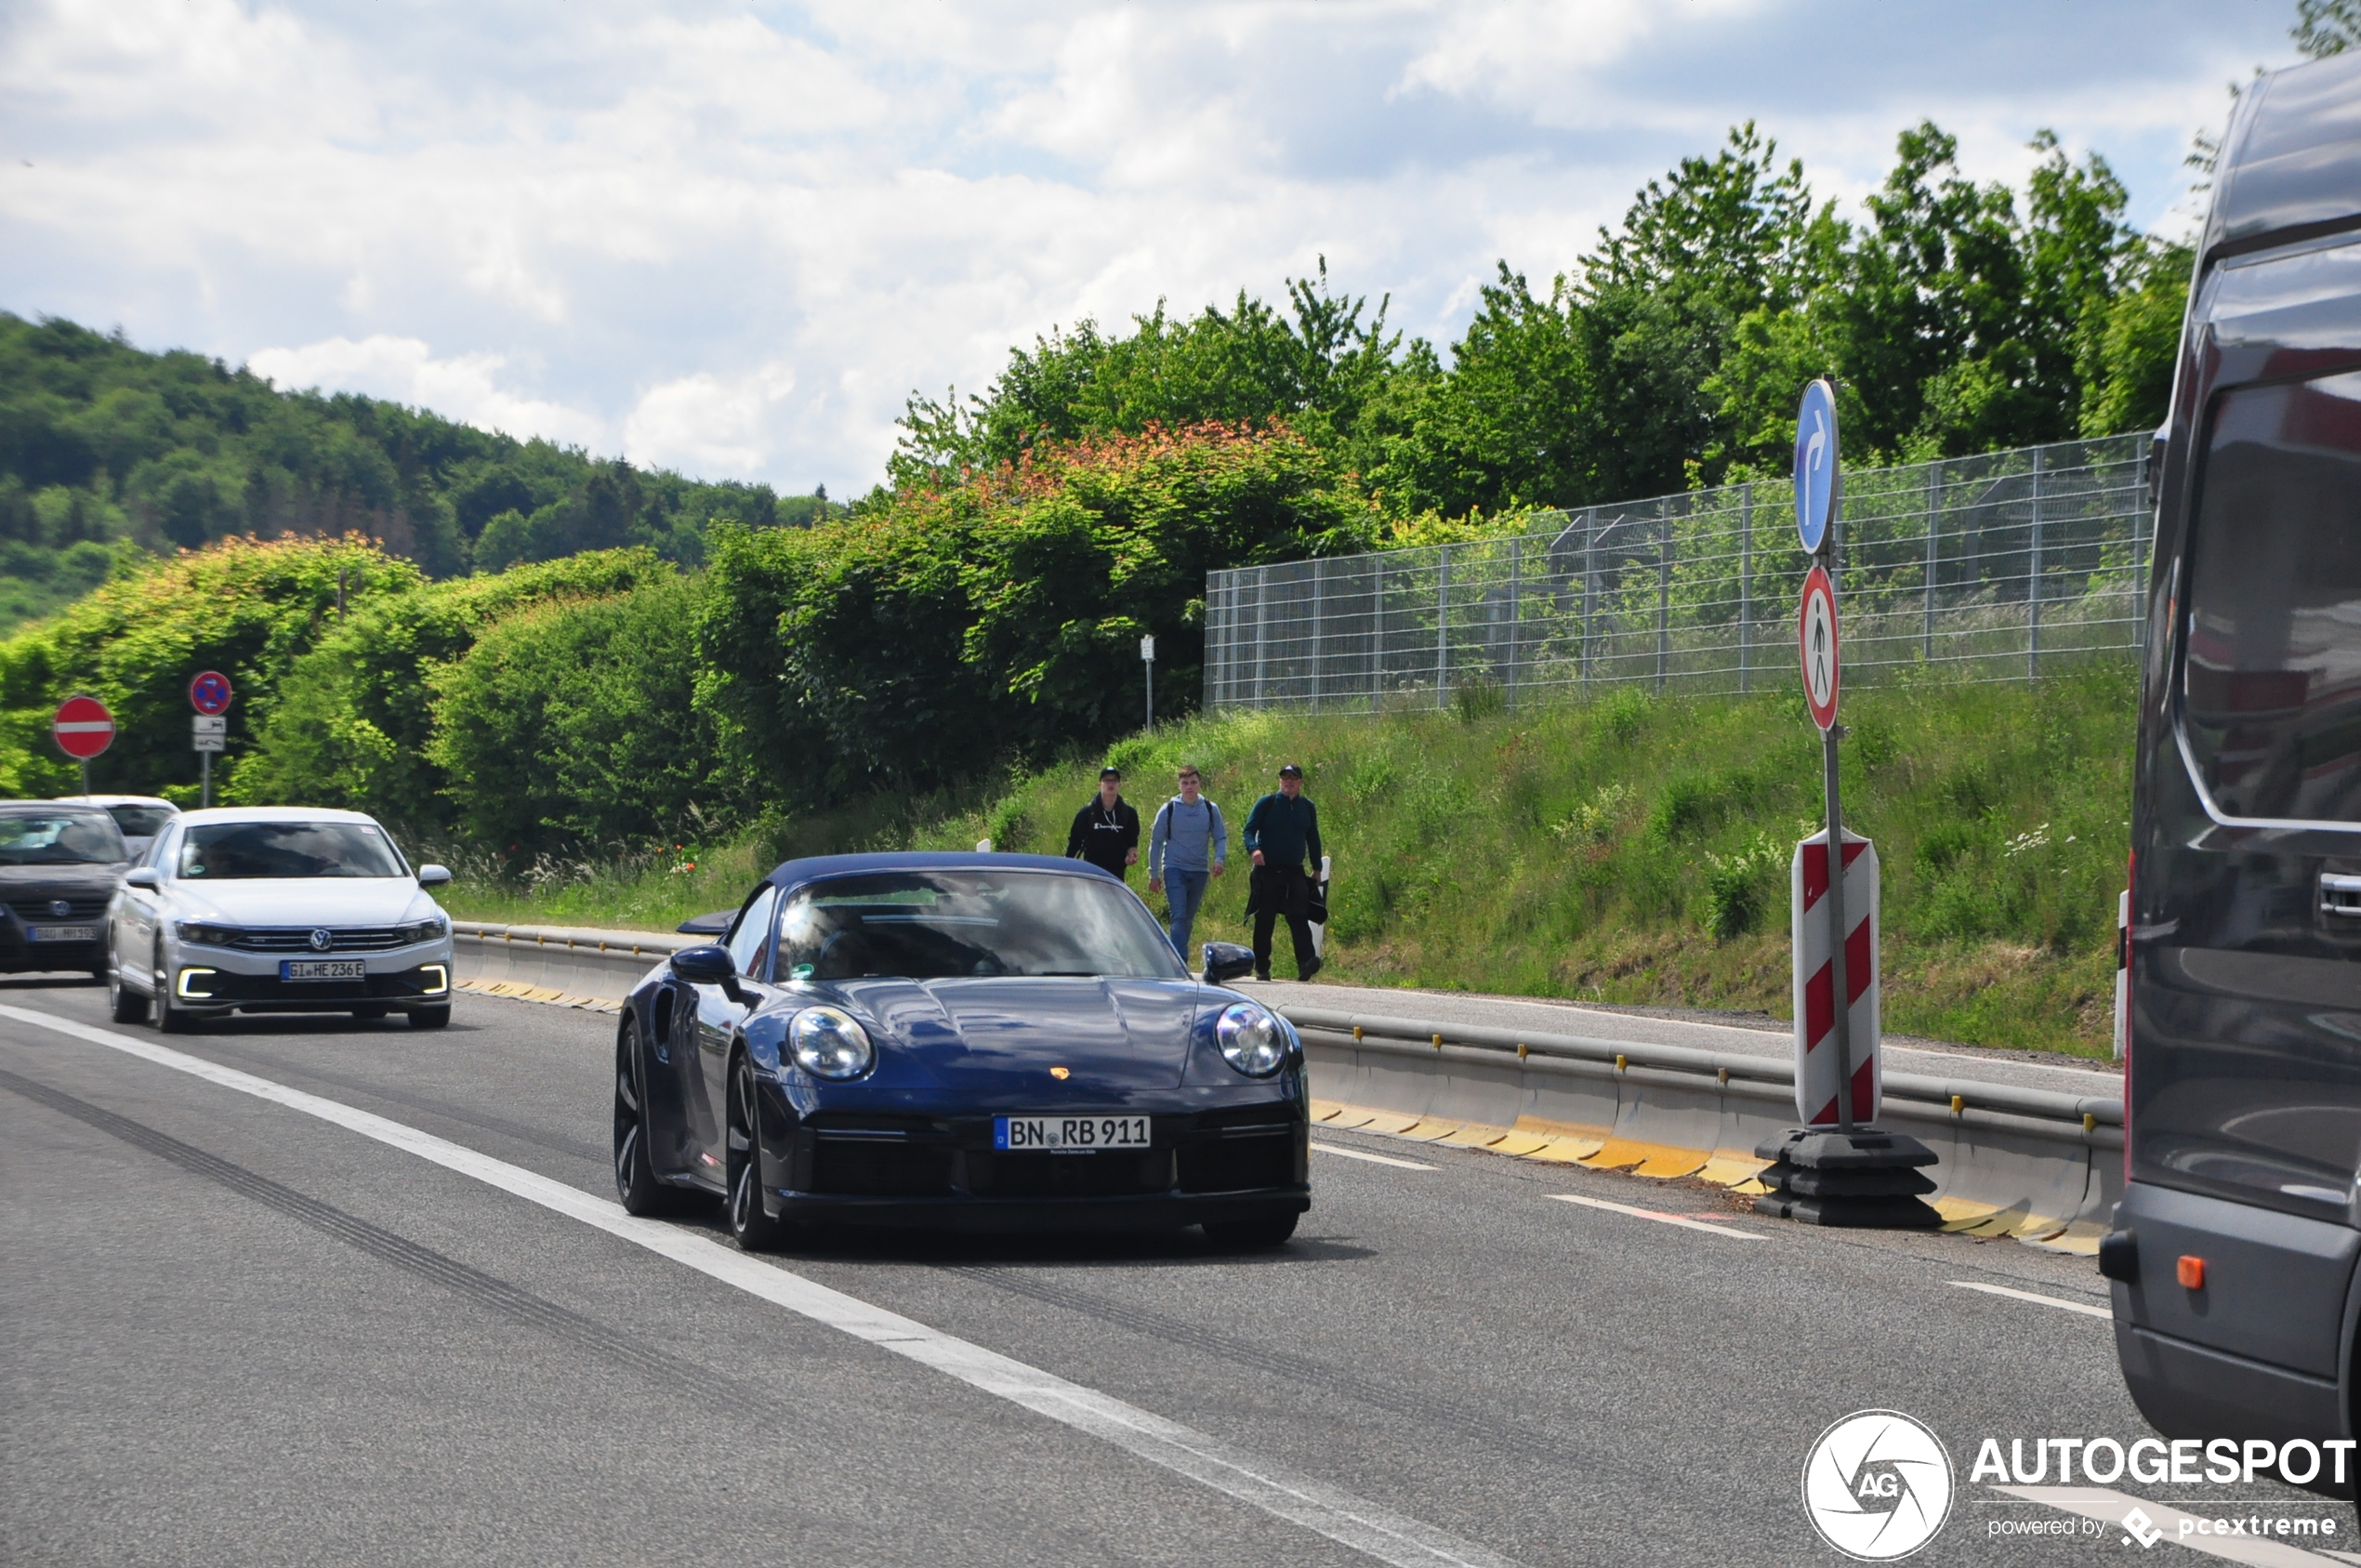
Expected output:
(1188, 845)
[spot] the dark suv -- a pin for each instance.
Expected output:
(2235, 1303)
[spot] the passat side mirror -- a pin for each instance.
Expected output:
(711, 965)
(142, 876)
(1226, 961)
(434, 876)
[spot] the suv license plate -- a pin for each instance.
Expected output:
(322, 969)
(65, 933)
(1069, 1135)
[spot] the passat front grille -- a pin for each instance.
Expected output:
(348, 939)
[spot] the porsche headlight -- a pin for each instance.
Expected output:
(1251, 1040)
(828, 1042)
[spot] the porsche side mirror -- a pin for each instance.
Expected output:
(712, 966)
(434, 876)
(143, 877)
(1226, 961)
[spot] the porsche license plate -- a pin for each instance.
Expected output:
(1069, 1135)
(322, 969)
(65, 933)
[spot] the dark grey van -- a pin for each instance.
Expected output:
(2235, 1297)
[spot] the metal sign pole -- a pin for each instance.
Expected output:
(204, 795)
(85, 778)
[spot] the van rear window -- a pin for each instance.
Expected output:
(2271, 699)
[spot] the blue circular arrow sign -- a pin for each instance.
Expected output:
(1815, 465)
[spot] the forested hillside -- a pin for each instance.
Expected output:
(105, 449)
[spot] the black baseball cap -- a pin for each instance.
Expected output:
(1290, 771)
(1110, 772)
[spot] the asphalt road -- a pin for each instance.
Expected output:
(236, 1332)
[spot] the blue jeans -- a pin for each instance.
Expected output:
(1185, 892)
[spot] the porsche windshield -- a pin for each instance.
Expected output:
(59, 838)
(935, 925)
(248, 851)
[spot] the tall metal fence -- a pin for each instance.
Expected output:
(1987, 567)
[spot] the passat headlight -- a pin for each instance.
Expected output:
(205, 934)
(827, 1043)
(425, 930)
(1251, 1040)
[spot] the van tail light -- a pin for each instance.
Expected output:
(2123, 991)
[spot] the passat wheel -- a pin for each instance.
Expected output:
(123, 1004)
(636, 1182)
(756, 1231)
(1251, 1235)
(430, 1017)
(169, 1018)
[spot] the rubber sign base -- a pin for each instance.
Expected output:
(1866, 1180)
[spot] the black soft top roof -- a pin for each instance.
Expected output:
(2290, 168)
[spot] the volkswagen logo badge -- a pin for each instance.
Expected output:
(60, 908)
(320, 940)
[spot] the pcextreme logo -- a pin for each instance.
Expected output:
(1878, 1485)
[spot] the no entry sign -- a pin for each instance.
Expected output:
(1817, 639)
(83, 728)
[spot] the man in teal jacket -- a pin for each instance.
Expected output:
(1281, 830)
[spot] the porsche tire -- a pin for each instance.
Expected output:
(123, 1004)
(637, 1186)
(1251, 1235)
(754, 1230)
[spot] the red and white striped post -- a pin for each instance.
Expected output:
(1817, 1073)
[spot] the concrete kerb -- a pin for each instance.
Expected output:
(2030, 1163)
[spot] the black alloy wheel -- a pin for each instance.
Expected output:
(1252, 1236)
(636, 1185)
(756, 1231)
(169, 1018)
(123, 1004)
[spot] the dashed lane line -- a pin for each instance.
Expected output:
(1373, 1159)
(1354, 1522)
(1661, 1218)
(2085, 1308)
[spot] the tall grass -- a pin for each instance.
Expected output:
(1631, 849)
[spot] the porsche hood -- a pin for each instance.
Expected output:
(1114, 1034)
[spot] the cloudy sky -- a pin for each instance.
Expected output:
(731, 240)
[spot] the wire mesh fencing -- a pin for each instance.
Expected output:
(1986, 567)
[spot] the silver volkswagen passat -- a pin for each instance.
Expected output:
(277, 909)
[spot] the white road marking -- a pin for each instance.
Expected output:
(1390, 1537)
(2092, 1502)
(1373, 1159)
(1660, 1217)
(2085, 1308)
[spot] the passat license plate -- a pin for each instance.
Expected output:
(65, 933)
(322, 969)
(1069, 1135)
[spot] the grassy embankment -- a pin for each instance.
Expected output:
(1628, 850)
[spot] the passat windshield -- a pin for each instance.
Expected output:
(59, 838)
(251, 851)
(936, 925)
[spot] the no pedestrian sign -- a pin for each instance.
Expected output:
(83, 728)
(1816, 638)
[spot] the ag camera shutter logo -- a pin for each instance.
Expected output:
(1878, 1485)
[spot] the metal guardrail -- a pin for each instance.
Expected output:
(1983, 566)
(2094, 1121)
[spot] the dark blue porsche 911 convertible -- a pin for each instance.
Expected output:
(967, 1041)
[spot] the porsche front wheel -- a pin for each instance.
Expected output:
(636, 1185)
(756, 1231)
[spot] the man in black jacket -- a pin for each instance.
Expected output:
(1106, 832)
(1281, 830)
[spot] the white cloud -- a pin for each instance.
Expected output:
(464, 387)
(617, 224)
